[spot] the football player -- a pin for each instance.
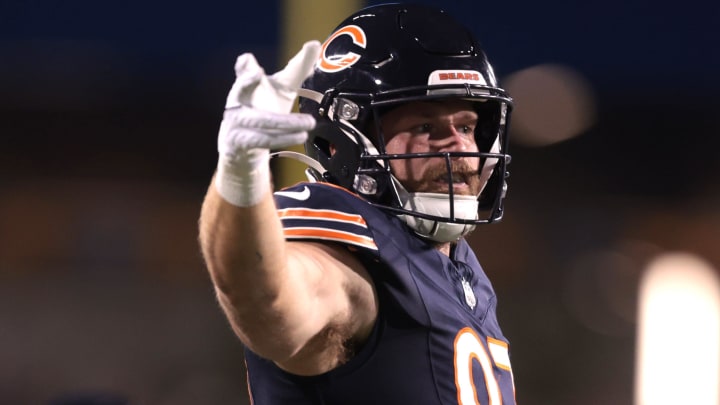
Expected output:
(358, 287)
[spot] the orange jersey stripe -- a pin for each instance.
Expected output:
(329, 215)
(328, 234)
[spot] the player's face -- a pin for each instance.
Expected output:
(433, 126)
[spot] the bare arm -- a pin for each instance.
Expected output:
(296, 303)
(287, 301)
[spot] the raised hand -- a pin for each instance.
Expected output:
(257, 110)
(258, 118)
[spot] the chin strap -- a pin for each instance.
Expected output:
(436, 204)
(314, 171)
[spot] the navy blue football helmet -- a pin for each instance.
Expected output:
(383, 56)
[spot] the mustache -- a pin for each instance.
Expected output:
(436, 178)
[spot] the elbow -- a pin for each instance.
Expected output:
(259, 326)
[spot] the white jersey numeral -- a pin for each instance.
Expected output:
(468, 348)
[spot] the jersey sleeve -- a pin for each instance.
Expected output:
(322, 212)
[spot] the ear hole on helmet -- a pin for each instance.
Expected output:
(488, 126)
(324, 146)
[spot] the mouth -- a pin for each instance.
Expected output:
(460, 183)
(462, 180)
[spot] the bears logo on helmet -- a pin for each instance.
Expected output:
(336, 63)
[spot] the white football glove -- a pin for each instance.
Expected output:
(257, 118)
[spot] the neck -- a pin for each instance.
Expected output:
(445, 248)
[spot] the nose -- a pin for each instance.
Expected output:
(449, 138)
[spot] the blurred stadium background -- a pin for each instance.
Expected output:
(108, 118)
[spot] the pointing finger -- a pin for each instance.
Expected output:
(299, 67)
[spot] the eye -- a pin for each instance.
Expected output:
(466, 129)
(422, 128)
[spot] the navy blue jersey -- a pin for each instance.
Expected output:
(436, 339)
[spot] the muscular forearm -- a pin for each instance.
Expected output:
(241, 245)
(244, 250)
(273, 292)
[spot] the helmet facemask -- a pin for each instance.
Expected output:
(436, 211)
